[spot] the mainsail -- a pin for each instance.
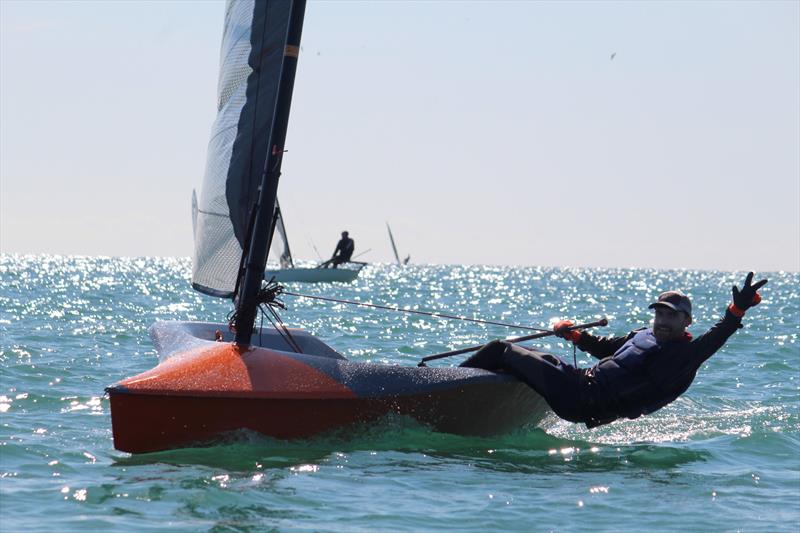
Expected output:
(258, 58)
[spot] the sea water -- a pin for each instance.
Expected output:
(724, 457)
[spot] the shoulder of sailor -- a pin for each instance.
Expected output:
(623, 339)
(601, 347)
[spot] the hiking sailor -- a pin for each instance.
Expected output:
(638, 373)
(343, 252)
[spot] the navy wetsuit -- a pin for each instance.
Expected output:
(344, 249)
(636, 374)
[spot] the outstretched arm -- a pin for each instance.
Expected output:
(598, 347)
(601, 347)
(707, 344)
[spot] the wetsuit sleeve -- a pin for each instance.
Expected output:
(601, 347)
(712, 340)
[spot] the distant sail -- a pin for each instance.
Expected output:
(251, 57)
(394, 247)
(280, 245)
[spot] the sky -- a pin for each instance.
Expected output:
(582, 134)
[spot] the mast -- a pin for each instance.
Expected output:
(255, 259)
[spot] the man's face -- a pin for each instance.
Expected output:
(669, 325)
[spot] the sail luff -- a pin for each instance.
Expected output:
(261, 234)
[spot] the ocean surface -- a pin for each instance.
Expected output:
(724, 457)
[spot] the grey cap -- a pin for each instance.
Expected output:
(674, 300)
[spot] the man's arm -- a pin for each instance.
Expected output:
(712, 340)
(709, 342)
(601, 347)
(598, 347)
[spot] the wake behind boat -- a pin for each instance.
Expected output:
(280, 382)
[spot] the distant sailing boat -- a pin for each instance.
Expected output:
(215, 378)
(289, 272)
(394, 248)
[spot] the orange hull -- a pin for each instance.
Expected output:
(211, 388)
(147, 423)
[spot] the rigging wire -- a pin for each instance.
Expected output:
(279, 326)
(266, 302)
(426, 313)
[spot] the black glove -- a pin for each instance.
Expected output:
(747, 297)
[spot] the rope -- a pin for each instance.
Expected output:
(267, 300)
(279, 326)
(426, 313)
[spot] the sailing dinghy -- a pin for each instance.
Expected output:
(288, 271)
(280, 382)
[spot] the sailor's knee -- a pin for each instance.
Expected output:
(495, 345)
(513, 351)
(488, 357)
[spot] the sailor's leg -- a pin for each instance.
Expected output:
(488, 358)
(556, 381)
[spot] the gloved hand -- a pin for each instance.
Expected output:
(747, 297)
(560, 329)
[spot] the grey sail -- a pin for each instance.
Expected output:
(280, 242)
(251, 57)
(394, 247)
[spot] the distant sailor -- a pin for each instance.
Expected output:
(285, 261)
(343, 252)
(637, 374)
